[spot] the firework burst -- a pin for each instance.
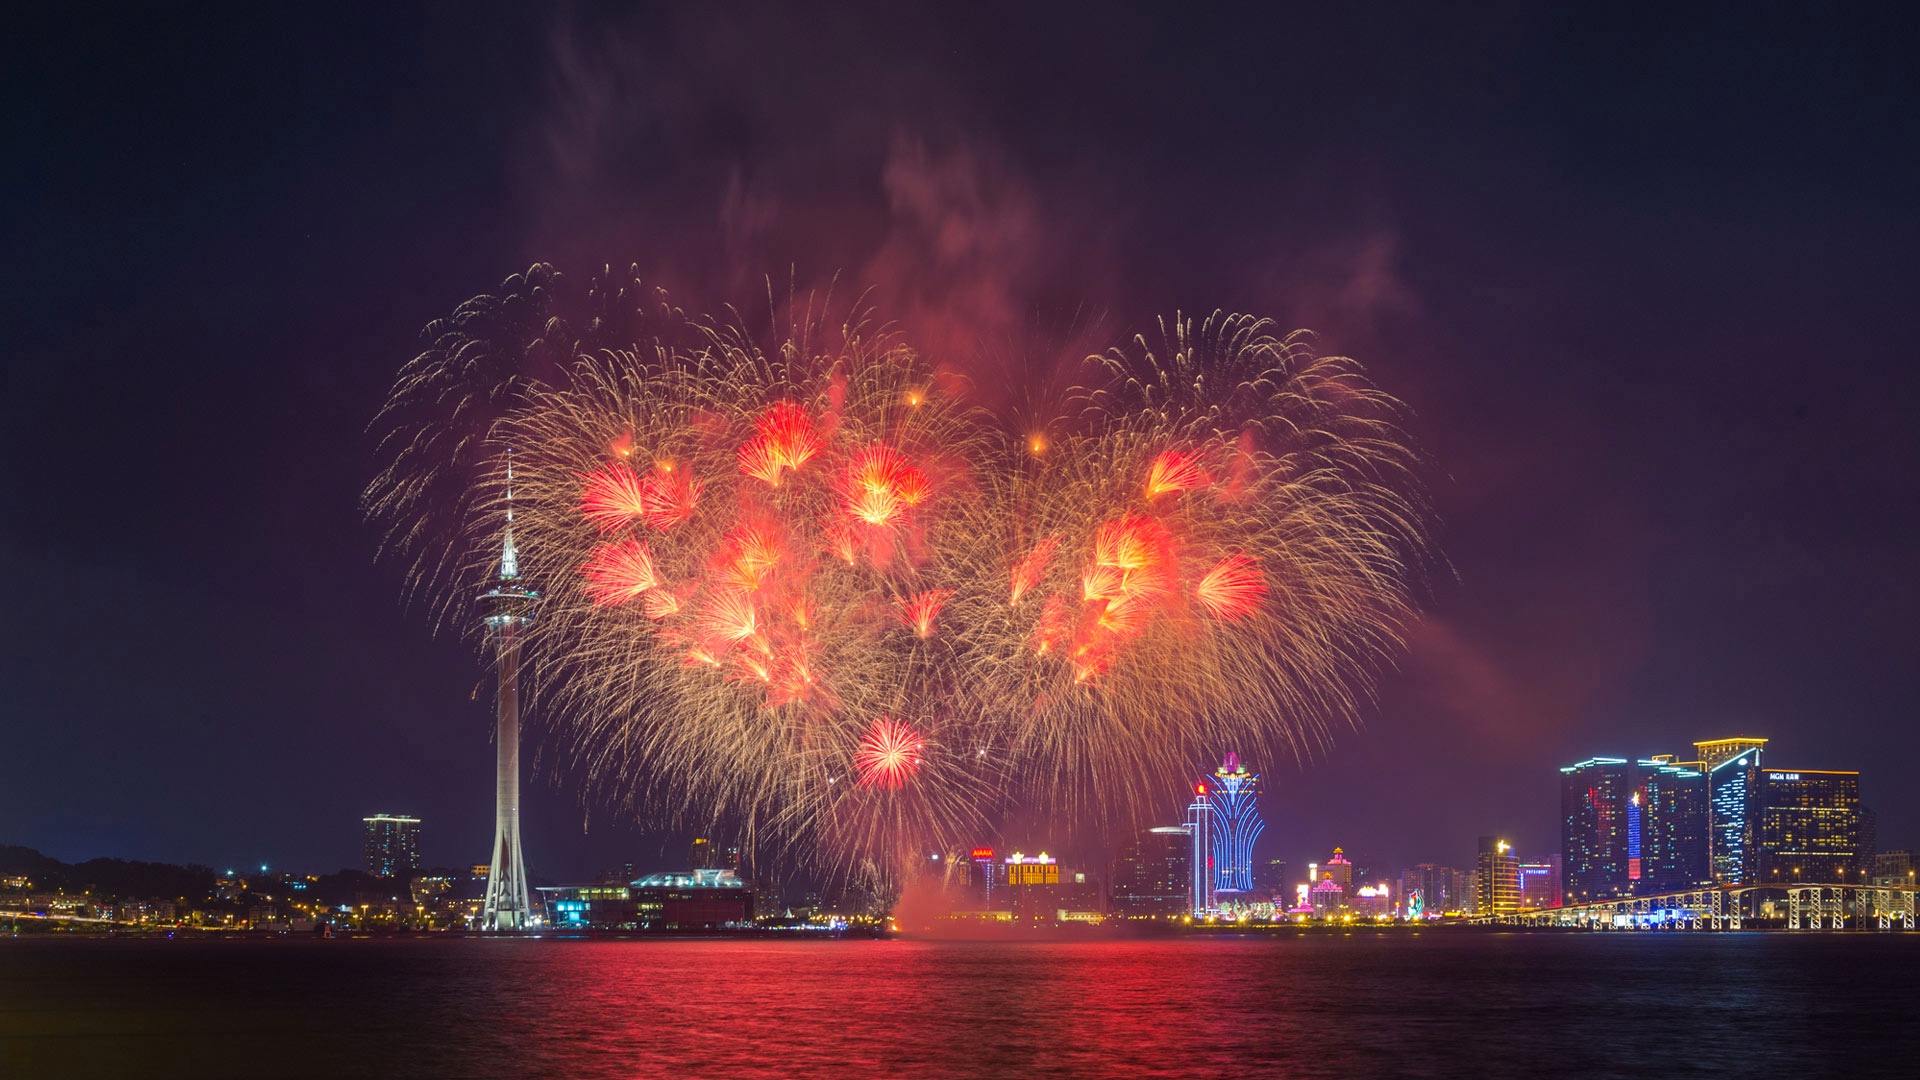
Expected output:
(758, 550)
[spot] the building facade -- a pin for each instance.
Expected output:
(392, 845)
(1733, 788)
(1152, 879)
(1807, 827)
(1236, 826)
(1594, 827)
(1674, 822)
(1497, 888)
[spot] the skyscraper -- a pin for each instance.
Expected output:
(1733, 782)
(392, 844)
(1594, 827)
(1674, 852)
(508, 608)
(1200, 836)
(1236, 825)
(1497, 889)
(1153, 879)
(1808, 826)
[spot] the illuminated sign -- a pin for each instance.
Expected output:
(1783, 776)
(983, 853)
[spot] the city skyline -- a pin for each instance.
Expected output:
(1625, 448)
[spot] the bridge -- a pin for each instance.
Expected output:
(1808, 906)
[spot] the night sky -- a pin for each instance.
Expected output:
(1648, 284)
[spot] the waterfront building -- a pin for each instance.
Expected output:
(699, 899)
(1200, 861)
(1497, 891)
(1328, 899)
(1674, 852)
(1807, 827)
(508, 608)
(1892, 868)
(1438, 887)
(1153, 878)
(1714, 753)
(1594, 827)
(1340, 870)
(392, 845)
(1371, 901)
(1540, 883)
(1733, 786)
(1236, 826)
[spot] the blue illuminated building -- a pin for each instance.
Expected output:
(1236, 825)
(1733, 785)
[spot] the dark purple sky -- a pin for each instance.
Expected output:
(1649, 284)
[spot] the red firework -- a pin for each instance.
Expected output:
(1174, 470)
(920, 609)
(784, 438)
(1027, 572)
(613, 496)
(730, 616)
(1232, 589)
(659, 604)
(880, 485)
(748, 556)
(890, 753)
(619, 571)
(668, 497)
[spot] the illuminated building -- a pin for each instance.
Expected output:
(508, 609)
(1200, 837)
(1540, 883)
(1733, 782)
(1594, 827)
(1438, 887)
(1371, 901)
(699, 899)
(393, 845)
(1328, 898)
(1807, 826)
(1497, 889)
(984, 872)
(1040, 890)
(1236, 826)
(1154, 878)
(1716, 752)
(1893, 868)
(1673, 808)
(1339, 869)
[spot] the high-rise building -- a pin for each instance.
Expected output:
(1733, 784)
(1674, 820)
(1339, 869)
(1200, 838)
(1893, 868)
(1540, 883)
(1236, 825)
(1714, 753)
(508, 609)
(1594, 827)
(1497, 890)
(1807, 827)
(1153, 879)
(392, 845)
(1438, 887)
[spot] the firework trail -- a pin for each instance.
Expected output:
(794, 581)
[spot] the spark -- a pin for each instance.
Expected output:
(1233, 589)
(619, 571)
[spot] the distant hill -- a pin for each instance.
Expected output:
(107, 877)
